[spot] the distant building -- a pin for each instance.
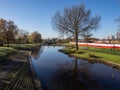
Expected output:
(110, 37)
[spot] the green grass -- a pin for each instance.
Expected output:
(67, 44)
(22, 46)
(84, 53)
(105, 50)
(105, 56)
(6, 51)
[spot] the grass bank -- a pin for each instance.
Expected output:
(23, 46)
(7, 51)
(94, 54)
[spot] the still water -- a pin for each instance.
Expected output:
(58, 71)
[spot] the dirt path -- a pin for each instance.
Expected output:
(10, 67)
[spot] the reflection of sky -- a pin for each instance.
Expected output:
(50, 61)
(108, 76)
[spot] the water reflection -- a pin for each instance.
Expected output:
(74, 75)
(37, 52)
(58, 71)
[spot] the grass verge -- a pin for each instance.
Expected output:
(23, 46)
(85, 54)
(7, 51)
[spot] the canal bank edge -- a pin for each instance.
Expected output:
(34, 75)
(94, 60)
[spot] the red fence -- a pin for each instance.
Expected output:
(117, 46)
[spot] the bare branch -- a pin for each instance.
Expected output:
(75, 20)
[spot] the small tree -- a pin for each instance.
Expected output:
(75, 20)
(86, 36)
(35, 37)
(8, 30)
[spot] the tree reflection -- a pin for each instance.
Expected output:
(37, 52)
(74, 75)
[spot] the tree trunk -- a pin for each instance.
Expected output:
(7, 42)
(76, 41)
(75, 70)
(76, 66)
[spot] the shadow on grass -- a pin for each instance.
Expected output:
(94, 56)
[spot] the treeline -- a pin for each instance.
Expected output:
(11, 34)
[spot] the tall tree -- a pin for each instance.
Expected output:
(8, 30)
(35, 37)
(22, 36)
(75, 20)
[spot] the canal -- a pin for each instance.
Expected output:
(58, 71)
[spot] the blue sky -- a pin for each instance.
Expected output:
(36, 15)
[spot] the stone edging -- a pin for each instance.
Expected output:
(34, 75)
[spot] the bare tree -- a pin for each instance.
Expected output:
(8, 30)
(75, 20)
